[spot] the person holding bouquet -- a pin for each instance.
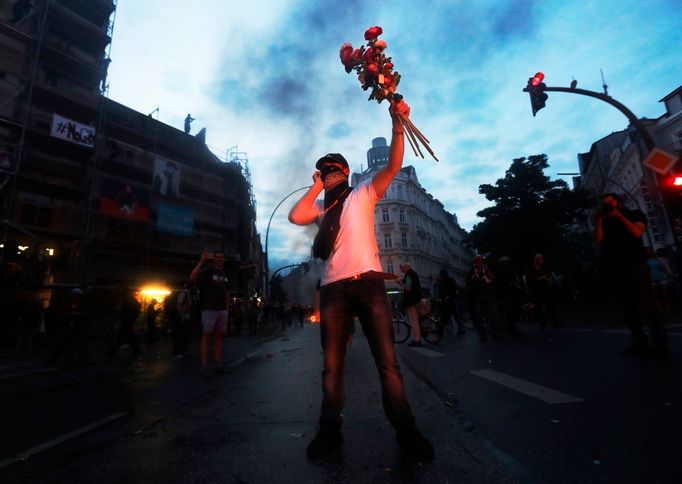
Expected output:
(352, 284)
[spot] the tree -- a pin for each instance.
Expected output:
(531, 213)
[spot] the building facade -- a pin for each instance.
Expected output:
(412, 226)
(93, 191)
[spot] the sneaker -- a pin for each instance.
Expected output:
(414, 343)
(324, 444)
(414, 443)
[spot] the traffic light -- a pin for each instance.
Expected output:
(674, 183)
(536, 89)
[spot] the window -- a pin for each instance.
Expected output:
(387, 240)
(402, 215)
(36, 215)
(389, 267)
(404, 239)
(384, 215)
(400, 192)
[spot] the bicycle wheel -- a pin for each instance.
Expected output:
(429, 330)
(401, 330)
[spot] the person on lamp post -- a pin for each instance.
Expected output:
(352, 284)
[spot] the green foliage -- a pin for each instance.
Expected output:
(531, 213)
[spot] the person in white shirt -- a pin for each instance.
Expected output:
(352, 284)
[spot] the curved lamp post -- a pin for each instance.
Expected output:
(267, 232)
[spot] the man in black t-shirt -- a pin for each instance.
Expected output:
(212, 284)
(619, 232)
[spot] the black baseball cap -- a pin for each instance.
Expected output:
(331, 158)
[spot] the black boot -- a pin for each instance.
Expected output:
(325, 443)
(414, 443)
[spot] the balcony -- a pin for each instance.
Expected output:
(64, 89)
(68, 57)
(95, 11)
(13, 58)
(70, 25)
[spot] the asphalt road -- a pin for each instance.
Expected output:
(550, 406)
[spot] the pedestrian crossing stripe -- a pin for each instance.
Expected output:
(427, 352)
(534, 390)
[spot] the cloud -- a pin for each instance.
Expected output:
(265, 76)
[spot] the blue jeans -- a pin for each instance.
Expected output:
(340, 302)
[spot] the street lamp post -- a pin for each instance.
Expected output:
(267, 234)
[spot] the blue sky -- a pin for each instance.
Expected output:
(265, 75)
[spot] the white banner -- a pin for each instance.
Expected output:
(72, 131)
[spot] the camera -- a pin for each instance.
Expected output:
(606, 209)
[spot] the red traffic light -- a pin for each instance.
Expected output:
(537, 79)
(676, 181)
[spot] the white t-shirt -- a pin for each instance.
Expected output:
(355, 249)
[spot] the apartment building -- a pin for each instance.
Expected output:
(93, 191)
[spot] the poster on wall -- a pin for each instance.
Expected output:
(166, 179)
(72, 131)
(174, 219)
(124, 200)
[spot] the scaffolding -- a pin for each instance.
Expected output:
(241, 158)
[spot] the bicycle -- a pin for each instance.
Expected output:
(402, 327)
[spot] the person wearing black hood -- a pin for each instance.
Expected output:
(352, 284)
(447, 293)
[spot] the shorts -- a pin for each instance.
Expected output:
(212, 321)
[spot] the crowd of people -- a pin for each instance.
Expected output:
(67, 326)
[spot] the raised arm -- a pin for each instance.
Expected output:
(385, 176)
(305, 212)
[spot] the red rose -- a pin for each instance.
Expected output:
(346, 53)
(388, 65)
(380, 45)
(387, 81)
(373, 32)
(368, 55)
(357, 56)
(372, 68)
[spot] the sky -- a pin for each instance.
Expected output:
(265, 76)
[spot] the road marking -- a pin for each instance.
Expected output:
(59, 440)
(534, 390)
(30, 363)
(31, 372)
(427, 352)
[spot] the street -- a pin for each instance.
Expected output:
(553, 405)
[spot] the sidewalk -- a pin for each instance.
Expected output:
(16, 365)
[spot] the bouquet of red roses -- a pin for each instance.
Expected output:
(376, 74)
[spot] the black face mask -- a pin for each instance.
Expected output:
(327, 170)
(332, 194)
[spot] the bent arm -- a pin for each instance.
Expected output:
(385, 176)
(599, 232)
(635, 228)
(305, 212)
